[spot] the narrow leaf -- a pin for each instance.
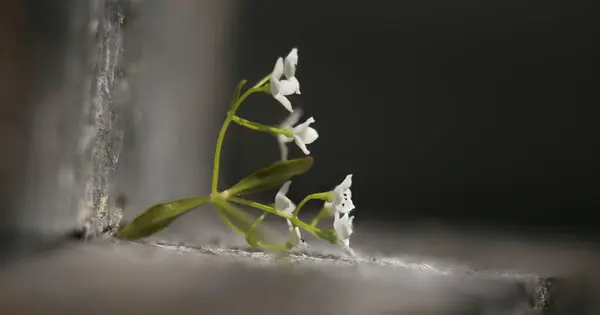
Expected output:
(271, 176)
(159, 216)
(240, 219)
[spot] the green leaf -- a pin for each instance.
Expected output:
(271, 176)
(159, 216)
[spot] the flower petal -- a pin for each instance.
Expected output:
(284, 101)
(275, 86)
(347, 183)
(294, 81)
(330, 208)
(289, 87)
(277, 69)
(285, 188)
(282, 202)
(345, 244)
(297, 236)
(301, 145)
(308, 135)
(345, 206)
(339, 226)
(342, 226)
(275, 76)
(290, 63)
(303, 126)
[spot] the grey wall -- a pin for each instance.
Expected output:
(171, 68)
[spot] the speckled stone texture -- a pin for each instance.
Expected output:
(158, 277)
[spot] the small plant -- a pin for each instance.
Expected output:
(337, 203)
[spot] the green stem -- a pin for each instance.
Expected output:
(262, 81)
(320, 196)
(228, 222)
(318, 217)
(272, 210)
(217, 161)
(257, 222)
(232, 226)
(263, 128)
(235, 104)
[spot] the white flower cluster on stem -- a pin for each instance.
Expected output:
(303, 134)
(340, 204)
(283, 203)
(288, 86)
(340, 208)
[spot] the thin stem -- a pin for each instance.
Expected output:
(217, 161)
(272, 210)
(228, 222)
(318, 217)
(266, 246)
(257, 222)
(260, 127)
(320, 196)
(262, 81)
(236, 102)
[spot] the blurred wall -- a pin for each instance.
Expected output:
(17, 80)
(174, 61)
(182, 69)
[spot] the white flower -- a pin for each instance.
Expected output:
(282, 88)
(296, 237)
(283, 203)
(290, 63)
(303, 134)
(289, 70)
(343, 229)
(342, 198)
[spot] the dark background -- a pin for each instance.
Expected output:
(466, 112)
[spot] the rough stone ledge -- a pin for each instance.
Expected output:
(158, 277)
(533, 289)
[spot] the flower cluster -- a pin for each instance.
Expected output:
(281, 83)
(339, 202)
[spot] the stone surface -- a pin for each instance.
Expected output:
(407, 269)
(108, 277)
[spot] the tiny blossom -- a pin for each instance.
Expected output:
(283, 203)
(303, 134)
(282, 88)
(289, 70)
(343, 228)
(342, 198)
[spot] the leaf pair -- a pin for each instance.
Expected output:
(156, 218)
